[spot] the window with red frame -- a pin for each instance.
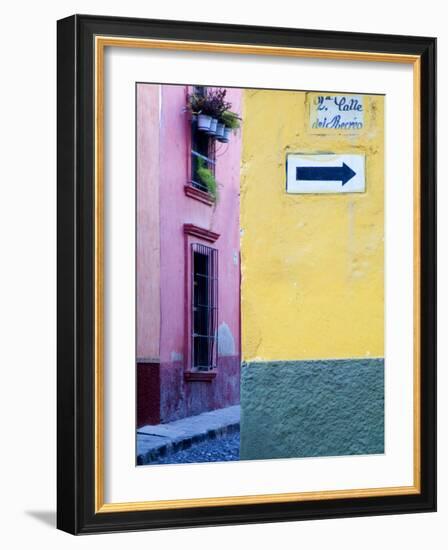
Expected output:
(204, 297)
(202, 147)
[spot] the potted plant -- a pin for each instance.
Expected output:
(231, 123)
(207, 179)
(213, 125)
(197, 106)
(220, 131)
(210, 108)
(213, 114)
(215, 106)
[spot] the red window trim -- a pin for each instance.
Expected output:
(199, 195)
(192, 233)
(200, 232)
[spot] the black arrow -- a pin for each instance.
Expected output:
(325, 173)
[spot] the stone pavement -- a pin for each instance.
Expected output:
(157, 441)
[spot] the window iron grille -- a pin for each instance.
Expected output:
(208, 160)
(204, 307)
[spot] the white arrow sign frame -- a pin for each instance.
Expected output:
(302, 171)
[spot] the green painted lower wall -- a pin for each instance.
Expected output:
(312, 408)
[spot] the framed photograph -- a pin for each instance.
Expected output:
(246, 274)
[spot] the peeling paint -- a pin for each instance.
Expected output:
(226, 341)
(177, 356)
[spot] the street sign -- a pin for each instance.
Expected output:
(328, 173)
(336, 113)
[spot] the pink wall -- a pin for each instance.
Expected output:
(179, 397)
(177, 209)
(148, 226)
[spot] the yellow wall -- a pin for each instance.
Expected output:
(312, 265)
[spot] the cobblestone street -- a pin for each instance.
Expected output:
(208, 437)
(222, 449)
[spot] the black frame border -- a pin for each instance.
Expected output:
(76, 262)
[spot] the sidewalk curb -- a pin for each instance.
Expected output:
(184, 443)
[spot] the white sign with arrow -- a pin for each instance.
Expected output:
(325, 173)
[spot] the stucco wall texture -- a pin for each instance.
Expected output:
(312, 408)
(312, 265)
(312, 287)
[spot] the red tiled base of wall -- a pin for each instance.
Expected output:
(164, 395)
(148, 394)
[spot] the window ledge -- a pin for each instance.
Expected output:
(201, 196)
(200, 376)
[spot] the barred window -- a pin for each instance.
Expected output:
(202, 149)
(204, 261)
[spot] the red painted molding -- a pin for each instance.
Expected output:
(200, 232)
(196, 376)
(199, 195)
